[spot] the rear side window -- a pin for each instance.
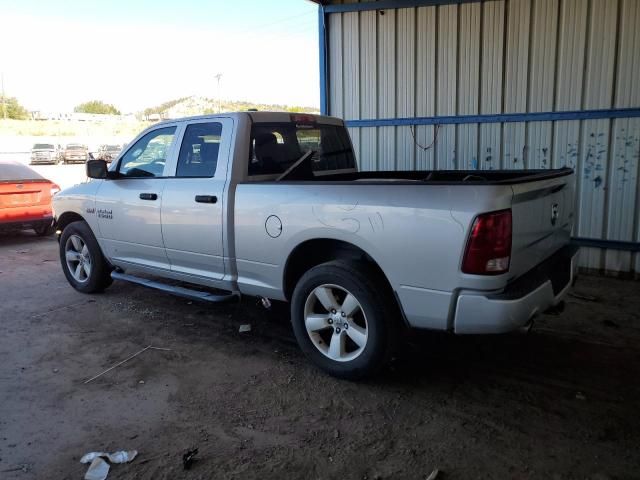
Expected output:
(275, 147)
(199, 150)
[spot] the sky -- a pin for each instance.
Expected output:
(135, 54)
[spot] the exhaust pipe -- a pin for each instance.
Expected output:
(265, 302)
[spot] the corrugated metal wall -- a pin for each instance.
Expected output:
(501, 56)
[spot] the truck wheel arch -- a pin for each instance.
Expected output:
(310, 253)
(66, 218)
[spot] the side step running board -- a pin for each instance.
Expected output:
(180, 291)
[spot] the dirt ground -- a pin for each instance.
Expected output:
(559, 403)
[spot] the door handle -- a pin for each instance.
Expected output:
(148, 196)
(206, 199)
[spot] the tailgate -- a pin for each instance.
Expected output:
(543, 213)
(24, 194)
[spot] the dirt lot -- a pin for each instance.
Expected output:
(561, 402)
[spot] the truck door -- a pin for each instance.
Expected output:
(193, 203)
(128, 207)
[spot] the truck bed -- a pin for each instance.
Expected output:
(447, 177)
(414, 224)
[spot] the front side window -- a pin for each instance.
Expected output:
(199, 150)
(146, 158)
(276, 147)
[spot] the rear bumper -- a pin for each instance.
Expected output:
(25, 215)
(43, 161)
(543, 287)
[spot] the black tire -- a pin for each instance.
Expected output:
(100, 276)
(44, 229)
(376, 303)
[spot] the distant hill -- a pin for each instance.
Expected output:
(189, 106)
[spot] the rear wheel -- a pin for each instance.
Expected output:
(344, 319)
(82, 261)
(43, 229)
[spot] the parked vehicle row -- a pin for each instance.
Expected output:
(48, 153)
(108, 153)
(273, 205)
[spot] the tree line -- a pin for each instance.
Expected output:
(11, 108)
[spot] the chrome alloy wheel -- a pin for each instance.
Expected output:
(78, 258)
(335, 322)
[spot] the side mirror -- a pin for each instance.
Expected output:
(96, 169)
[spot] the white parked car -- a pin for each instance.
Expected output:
(42, 153)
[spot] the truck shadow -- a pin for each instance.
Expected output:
(539, 361)
(564, 361)
(18, 238)
(568, 355)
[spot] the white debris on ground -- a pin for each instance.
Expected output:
(433, 475)
(99, 469)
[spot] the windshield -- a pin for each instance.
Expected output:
(277, 146)
(43, 146)
(75, 147)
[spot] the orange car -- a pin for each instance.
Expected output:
(25, 198)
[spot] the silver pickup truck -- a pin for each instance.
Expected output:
(273, 205)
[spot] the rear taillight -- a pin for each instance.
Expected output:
(54, 189)
(489, 246)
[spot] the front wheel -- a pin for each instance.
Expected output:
(344, 319)
(82, 261)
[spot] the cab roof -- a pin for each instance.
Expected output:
(258, 117)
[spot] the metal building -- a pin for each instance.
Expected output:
(446, 84)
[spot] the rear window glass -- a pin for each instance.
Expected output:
(275, 147)
(17, 171)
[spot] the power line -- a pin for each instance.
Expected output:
(276, 22)
(279, 35)
(218, 76)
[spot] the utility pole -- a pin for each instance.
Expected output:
(218, 76)
(4, 100)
